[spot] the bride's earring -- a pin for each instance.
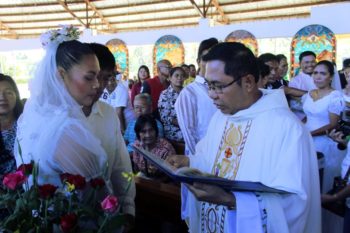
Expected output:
(61, 73)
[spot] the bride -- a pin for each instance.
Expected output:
(53, 131)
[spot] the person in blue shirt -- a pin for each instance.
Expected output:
(142, 106)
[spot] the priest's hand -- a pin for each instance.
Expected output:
(212, 194)
(178, 161)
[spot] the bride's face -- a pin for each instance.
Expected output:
(81, 80)
(322, 77)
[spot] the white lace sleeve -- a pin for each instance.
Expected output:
(337, 103)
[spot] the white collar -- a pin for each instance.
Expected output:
(96, 108)
(199, 79)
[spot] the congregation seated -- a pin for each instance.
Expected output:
(142, 106)
(147, 138)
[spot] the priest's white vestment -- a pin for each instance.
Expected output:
(265, 143)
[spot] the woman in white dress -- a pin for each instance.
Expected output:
(323, 107)
(346, 90)
(53, 130)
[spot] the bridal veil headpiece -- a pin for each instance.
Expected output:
(57, 36)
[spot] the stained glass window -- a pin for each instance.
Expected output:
(121, 55)
(316, 38)
(168, 47)
(244, 37)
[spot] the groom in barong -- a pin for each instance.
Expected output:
(254, 137)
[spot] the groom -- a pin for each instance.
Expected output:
(105, 124)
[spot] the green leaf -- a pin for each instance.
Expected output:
(114, 223)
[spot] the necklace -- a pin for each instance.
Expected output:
(318, 94)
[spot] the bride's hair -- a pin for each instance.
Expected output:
(329, 65)
(63, 50)
(70, 53)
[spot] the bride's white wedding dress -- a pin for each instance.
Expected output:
(317, 113)
(54, 132)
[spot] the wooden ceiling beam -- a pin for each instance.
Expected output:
(140, 20)
(164, 10)
(143, 28)
(224, 18)
(197, 8)
(59, 20)
(41, 4)
(31, 35)
(281, 7)
(21, 27)
(113, 7)
(43, 27)
(241, 2)
(110, 28)
(148, 12)
(305, 3)
(281, 16)
(208, 6)
(63, 4)
(106, 15)
(157, 19)
(10, 32)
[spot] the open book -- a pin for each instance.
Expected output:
(190, 175)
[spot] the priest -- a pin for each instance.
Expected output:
(254, 137)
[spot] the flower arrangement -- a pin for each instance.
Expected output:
(55, 37)
(47, 208)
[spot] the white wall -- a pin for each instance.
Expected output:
(334, 16)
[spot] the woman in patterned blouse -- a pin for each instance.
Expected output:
(166, 104)
(10, 109)
(147, 138)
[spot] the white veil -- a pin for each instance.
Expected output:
(336, 83)
(53, 131)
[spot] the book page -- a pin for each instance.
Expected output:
(191, 175)
(192, 172)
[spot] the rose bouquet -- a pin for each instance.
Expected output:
(46, 208)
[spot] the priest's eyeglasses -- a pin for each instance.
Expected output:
(218, 88)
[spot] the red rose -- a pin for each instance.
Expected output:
(97, 183)
(109, 204)
(12, 180)
(47, 190)
(78, 181)
(26, 168)
(64, 177)
(68, 222)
